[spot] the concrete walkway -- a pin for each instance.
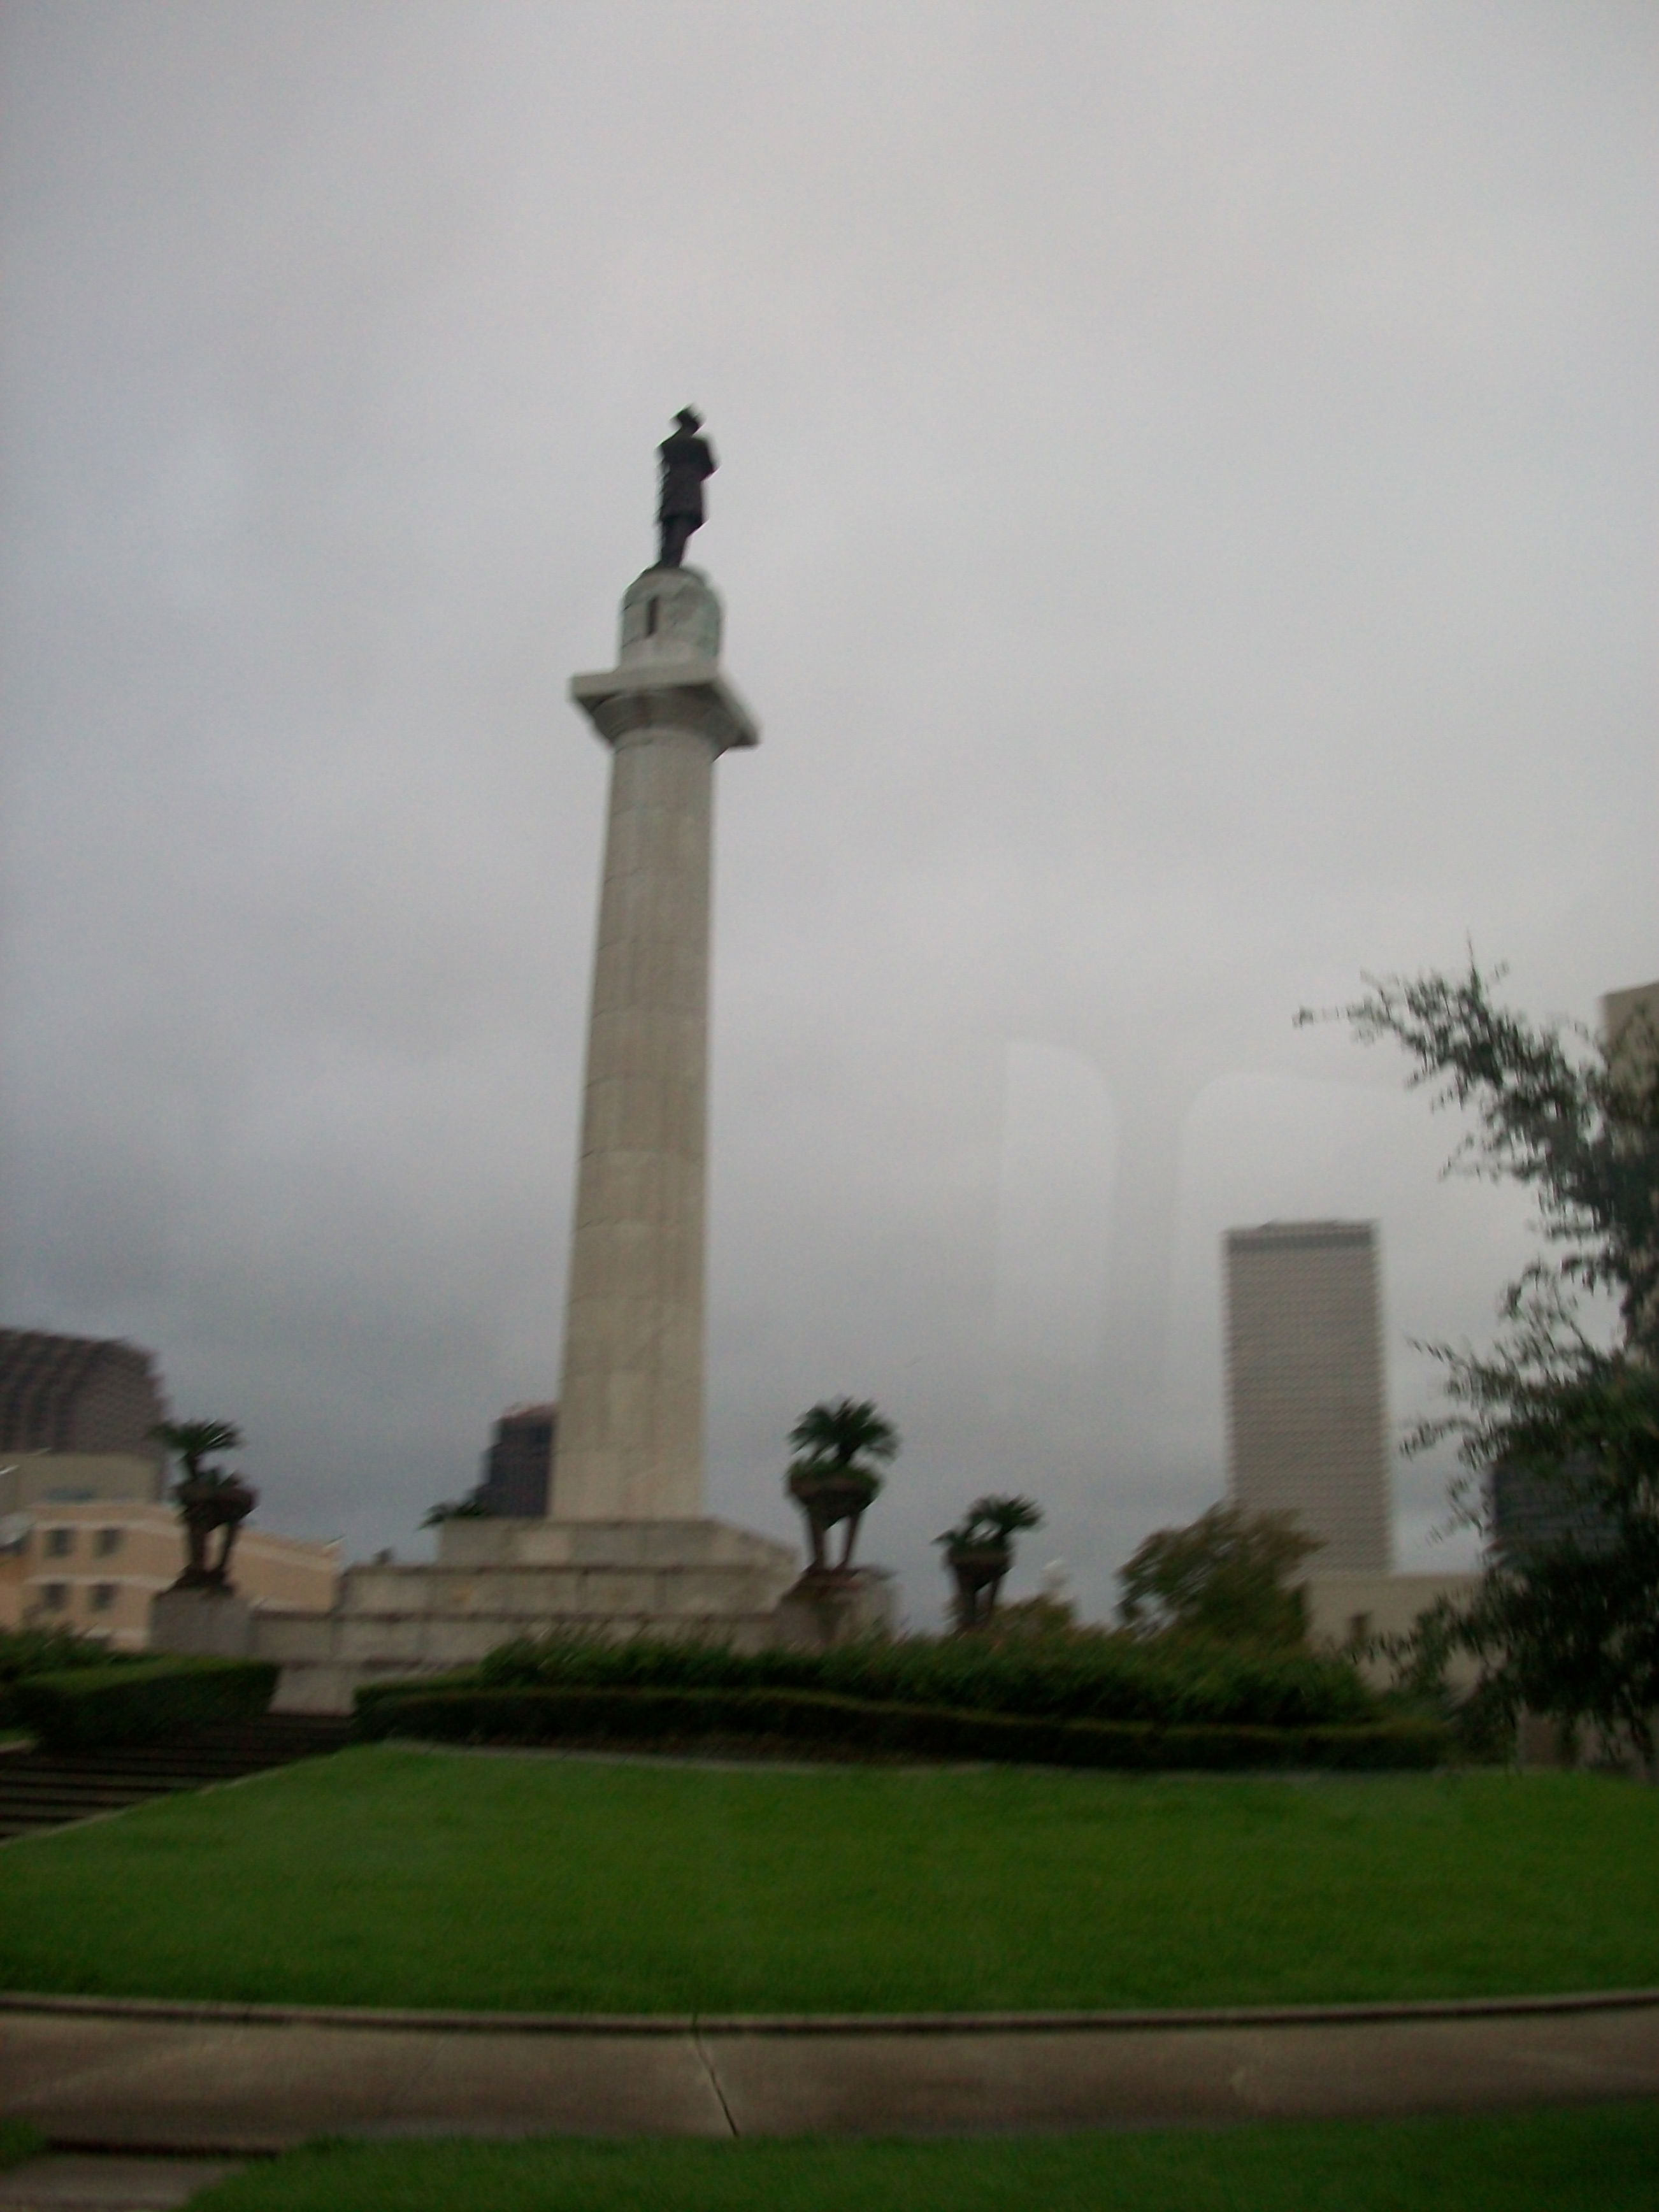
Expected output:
(73, 2182)
(235, 2080)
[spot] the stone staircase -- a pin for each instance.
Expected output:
(54, 1788)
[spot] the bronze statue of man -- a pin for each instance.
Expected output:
(685, 459)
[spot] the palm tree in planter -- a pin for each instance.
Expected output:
(979, 1550)
(209, 1498)
(832, 1480)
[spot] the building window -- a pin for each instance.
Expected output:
(54, 1596)
(60, 1542)
(103, 1595)
(107, 1541)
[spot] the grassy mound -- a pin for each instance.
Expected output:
(387, 1875)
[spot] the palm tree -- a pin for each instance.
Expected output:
(208, 1497)
(195, 1440)
(979, 1550)
(1006, 1517)
(834, 1479)
(838, 1435)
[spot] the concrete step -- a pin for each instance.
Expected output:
(43, 1789)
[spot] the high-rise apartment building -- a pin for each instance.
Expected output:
(519, 1465)
(1306, 1400)
(77, 1417)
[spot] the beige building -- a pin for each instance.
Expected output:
(92, 1564)
(30, 1479)
(1351, 1611)
(1619, 1008)
(1307, 1416)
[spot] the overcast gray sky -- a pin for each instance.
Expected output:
(1187, 523)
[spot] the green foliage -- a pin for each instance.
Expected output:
(1089, 1675)
(1226, 1576)
(843, 1435)
(194, 1441)
(470, 1508)
(1595, 2159)
(1571, 1630)
(795, 1720)
(1047, 1621)
(29, 1651)
(19, 2141)
(48, 1651)
(142, 1700)
(992, 1522)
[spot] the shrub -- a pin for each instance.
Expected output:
(29, 1651)
(1087, 1676)
(20, 2141)
(795, 1720)
(142, 1700)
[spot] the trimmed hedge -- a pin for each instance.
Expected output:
(24, 1652)
(142, 1700)
(796, 1720)
(1089, 1674)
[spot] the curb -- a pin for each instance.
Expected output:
(230, 2013)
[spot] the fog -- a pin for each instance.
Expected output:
(1186, 522)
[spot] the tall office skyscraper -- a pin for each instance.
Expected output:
(1306, 1402)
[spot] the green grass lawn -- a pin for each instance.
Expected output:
(391, 1875)
(1605, 2158)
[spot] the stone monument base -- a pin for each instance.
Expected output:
(202, 1624)
(497, 1579)
(836, 1605)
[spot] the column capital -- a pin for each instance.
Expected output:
(685, 693)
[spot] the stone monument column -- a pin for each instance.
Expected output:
(630, 1401)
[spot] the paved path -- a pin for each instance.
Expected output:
(234, 2081)
(73, 2182)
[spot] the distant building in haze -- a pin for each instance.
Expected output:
(1538, 1509)
(95, 1565)
(517, 1467)
(1306, 1402)
(76, 1419)
(1619, 1008)
(86, 1538)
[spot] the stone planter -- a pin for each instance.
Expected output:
(832, 1606)
(978, 1571)
(828, 1501)
(207, 1508)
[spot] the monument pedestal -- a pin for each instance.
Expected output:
(497, 1579)
(202, 1623)
(836, 1605)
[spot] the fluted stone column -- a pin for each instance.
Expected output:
(630, 1403)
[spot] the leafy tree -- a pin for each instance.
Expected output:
(1228, 1575)
(1569, 1627)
